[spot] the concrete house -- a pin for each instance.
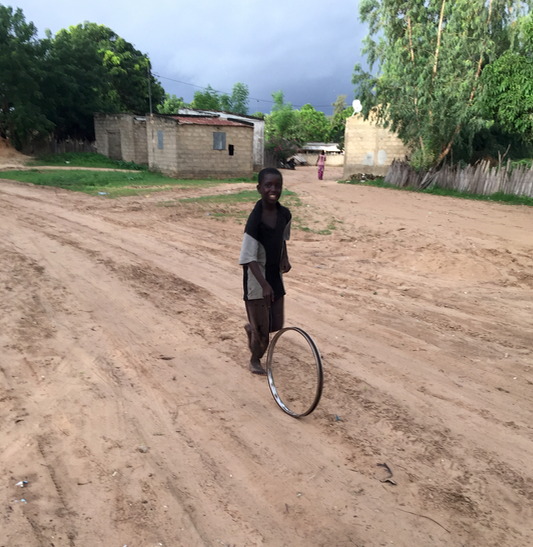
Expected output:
(193, 146)
(122, 137)
(259, 130)
(369, 149)
(179, 146)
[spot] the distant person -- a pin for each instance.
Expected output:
(321, 161)
(264, 259)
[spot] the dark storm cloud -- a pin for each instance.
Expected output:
(305, 48)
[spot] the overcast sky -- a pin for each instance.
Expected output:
(306, 48)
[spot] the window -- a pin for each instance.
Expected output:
(160, 140)
(231, 149)
(219, 140)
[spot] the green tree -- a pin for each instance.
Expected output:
(429, 58)
(237, 102)
(508, 85)
(282, 119)
(171, 104)
(337, 124)
(77, 85)
(56, 84)
(206, 100)
(100, 72)
(22, 71)
(240, 98)
(339, 105)
(282, 128)
(91, 69)
(314, 125)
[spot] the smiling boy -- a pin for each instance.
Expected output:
(264, 260)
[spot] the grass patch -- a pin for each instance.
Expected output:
(85, 159)
(290, 199)
(232, 205)
(110, 183)
(299, 224)
(498, 197)
(244, 196)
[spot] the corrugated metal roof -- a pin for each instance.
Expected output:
(198, 120)
(196, 112)
(317, 146)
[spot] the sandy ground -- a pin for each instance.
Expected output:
(10, 158)
(127, 405)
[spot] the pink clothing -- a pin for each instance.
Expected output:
(321, 162)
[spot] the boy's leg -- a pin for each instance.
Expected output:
(276, 315)
(258, 332)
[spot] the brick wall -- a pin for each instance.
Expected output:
(178, 150)
(259, 131)
(140, 141)
(161, 131)
(369, 149)
(121, 136)
(197, 158)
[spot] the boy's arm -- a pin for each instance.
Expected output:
(268, 293)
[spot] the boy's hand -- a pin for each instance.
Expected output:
(268, 294)
(285, 265)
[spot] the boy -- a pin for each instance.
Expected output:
(264, 258)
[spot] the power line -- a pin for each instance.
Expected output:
(219, 91)
(204, 87)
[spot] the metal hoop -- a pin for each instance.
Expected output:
(319, 371)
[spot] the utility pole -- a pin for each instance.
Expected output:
(149, 75)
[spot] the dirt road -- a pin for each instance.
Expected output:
(127, 405)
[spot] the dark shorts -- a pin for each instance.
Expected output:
(263, 320)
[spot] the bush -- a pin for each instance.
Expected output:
(282, 148)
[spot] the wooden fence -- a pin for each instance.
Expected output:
(53, 146)
(270, 159)
(479, 179)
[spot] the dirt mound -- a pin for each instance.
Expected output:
(9, 157)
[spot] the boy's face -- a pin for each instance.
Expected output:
(270, 189)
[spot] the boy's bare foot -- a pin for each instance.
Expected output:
(256, 368)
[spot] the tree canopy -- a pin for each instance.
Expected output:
(314, 126)
(57, 83)
(171, 104)
(337, 123)
(99, 72)
(23, 70)
(238, 101)
(282, 119)
(209, 99)
(508, 85)
(306, 124)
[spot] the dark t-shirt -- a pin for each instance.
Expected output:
(264, 245)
